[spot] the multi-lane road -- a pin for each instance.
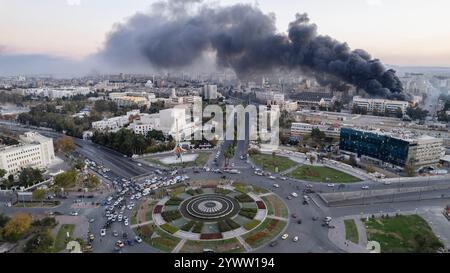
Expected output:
(313, 237)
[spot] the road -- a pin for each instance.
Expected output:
(313, 237)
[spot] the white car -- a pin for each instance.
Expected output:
(365, 187)
(330, 185)
(285, 236)
(295, 239)
(272, 177)
(74, 213)
(294, 194)
(283, 178)
(276, 185)
(387, 183)
(103, 232)
(126, 223)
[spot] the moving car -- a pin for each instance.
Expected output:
(138, 239)
(276, 185)
(365, 187)
(295, 239)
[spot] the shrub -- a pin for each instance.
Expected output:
(188, 226)
(222, 191)
(248, 212)
(198, 226)
(244, 198)
(171, 215)
(174, 201)
(232, 224)
(223, 226)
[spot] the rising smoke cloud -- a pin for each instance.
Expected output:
(176, 34)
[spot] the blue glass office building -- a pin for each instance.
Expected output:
(375, 145)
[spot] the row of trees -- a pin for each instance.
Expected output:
(27, 177)
(129, 143)
(46, 115)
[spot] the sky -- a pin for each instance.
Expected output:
(399, 32)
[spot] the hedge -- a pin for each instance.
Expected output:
(244, 198)
(188, 226)
(198, 226)
(248, 212)
(174, 201)
(171, 215)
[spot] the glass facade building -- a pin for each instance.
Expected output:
(375, 145)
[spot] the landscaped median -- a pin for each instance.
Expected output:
(351, 231)
(321, 174)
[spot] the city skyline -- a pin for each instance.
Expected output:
(409, 41)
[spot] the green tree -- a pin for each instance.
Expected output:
(30, 176)
(67, 179)
(40, 243)
(2, 173)
(39, 195)
(3, 220)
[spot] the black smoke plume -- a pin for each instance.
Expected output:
(175, 34)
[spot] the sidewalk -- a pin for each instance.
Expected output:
(337, 235)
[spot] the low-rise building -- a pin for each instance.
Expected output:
(34, 150)
(380, 105)
(301, 129)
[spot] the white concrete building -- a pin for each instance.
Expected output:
(426, 150)
(300, 129)
(381, 105)
(35, 151)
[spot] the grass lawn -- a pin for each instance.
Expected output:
(61, 237)
(264, 232)
(161, 241)
(133, 218)
(275, 206)
(321, 174)
(402, 234)
(351, 232)
(222, 246)
(269, 163)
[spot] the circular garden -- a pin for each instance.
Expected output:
(207, 215)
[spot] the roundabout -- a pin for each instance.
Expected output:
(210, 215)
(209, 207)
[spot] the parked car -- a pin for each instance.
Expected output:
(285, 236)
(295, 239)
(273, 244)
(102, 232)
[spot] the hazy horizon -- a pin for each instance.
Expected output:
(399, 32)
